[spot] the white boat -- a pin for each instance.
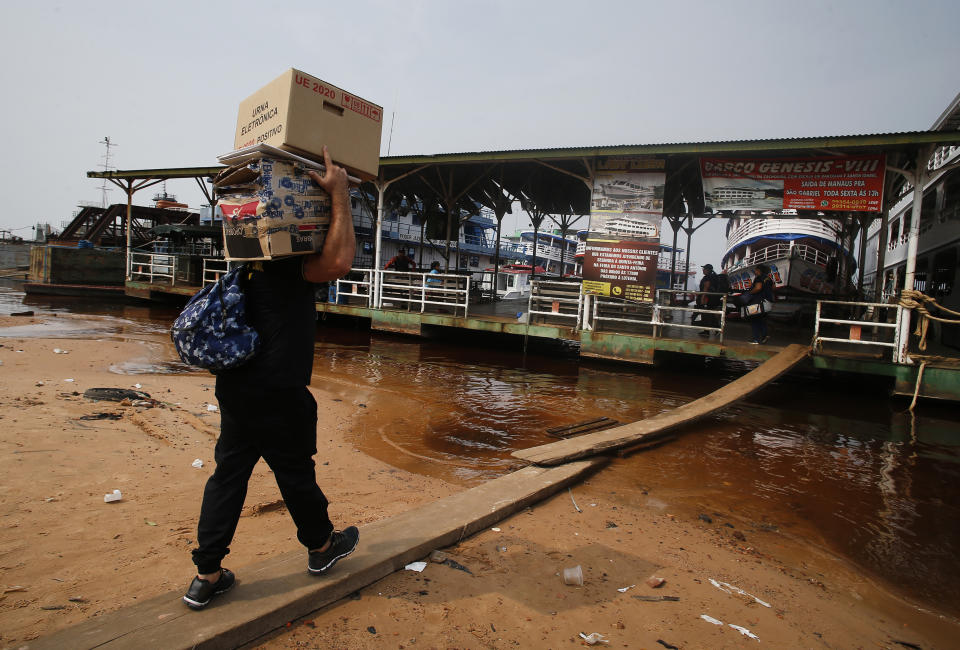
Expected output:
(513, 281)
(803, 254)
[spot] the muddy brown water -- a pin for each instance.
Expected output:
(832, 463)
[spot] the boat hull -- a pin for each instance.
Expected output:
(790, 275)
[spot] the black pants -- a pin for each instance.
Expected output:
(281, 427)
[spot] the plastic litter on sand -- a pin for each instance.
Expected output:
(624, 590)
(112, 496)
(710, 619)
(211, 407)
(744, 631)
(197, 463)
(726, 587)
(593, 638)
(416, 566)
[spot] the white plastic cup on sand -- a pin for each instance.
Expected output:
(113, 496)
(573, 576)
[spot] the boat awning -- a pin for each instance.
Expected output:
(188, 230)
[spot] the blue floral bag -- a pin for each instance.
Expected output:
(212, 330)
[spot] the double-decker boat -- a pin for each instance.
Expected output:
(804, 255)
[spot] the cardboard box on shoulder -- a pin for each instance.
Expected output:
(301, 114)
(271, 208)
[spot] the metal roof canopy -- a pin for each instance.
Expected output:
(131, 181)
(559, 180)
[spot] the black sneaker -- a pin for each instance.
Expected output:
(201, 592)
(342, 544)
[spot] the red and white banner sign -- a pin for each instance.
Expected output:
(848, 183)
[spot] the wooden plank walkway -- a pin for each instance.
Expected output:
(273, 592)
(630, 434)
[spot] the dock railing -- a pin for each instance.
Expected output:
(358, 284)
(859, 321)
(556, 301)
(213, 269)
(151, 266)
(663, 313)
(422, 292)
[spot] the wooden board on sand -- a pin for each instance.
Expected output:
(612, 439)
(271, 593)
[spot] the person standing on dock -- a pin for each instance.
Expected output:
(761, 291)
(267, 410)
(709, 283)
(401, 262)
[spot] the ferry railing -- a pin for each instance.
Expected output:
(150, 266)
(357, 284)
(213, 268)
(603, 310)
(435, 290)
(556, 299)
(662, 311)
(855, 326)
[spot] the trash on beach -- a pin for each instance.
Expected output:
(593, 638)
(573, 576)
(69, 381)
(197, 463)
(112, 496)
(77, 599)
(726, 587)
(456, 565)
(13, 589)
(212, 408)
(496, 530)
(114, 394)
(710, 619)
(656, 599)
(60, 351)
(138, 386)
(143, 403)
(149, 523)
(574, 502)
(39, 383)
(655, 582)
(21, 313)
(438, 557)
(744, 631)
(101, 416)
(416, 566)
(624, 590)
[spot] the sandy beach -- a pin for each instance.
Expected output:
(66, 556)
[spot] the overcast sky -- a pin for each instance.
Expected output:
(164, 79)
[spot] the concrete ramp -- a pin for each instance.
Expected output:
(270, 593)
(638, 432)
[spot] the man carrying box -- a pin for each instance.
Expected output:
(267, 411)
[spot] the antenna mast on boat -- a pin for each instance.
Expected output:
(104, 188)
(393, 115)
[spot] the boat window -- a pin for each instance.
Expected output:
(920, 275)
(944, 272)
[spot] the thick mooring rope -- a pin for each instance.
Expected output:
(912, 299)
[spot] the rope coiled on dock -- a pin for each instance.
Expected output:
(922, 303)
